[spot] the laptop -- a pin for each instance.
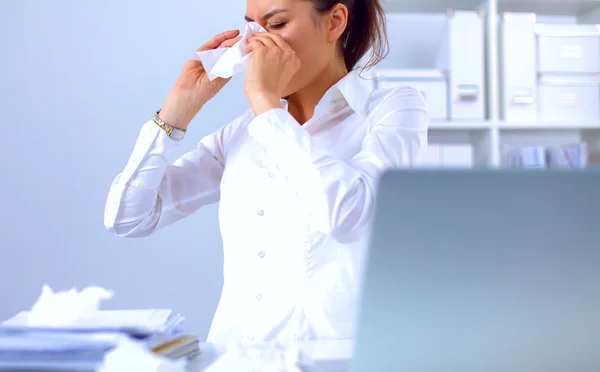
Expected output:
(482, 270)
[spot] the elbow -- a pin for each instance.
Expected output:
(128, 230)
(131, 228)
(349, 220)
(130, 218)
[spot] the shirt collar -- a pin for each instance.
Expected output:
(354, 90)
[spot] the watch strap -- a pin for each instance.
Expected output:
(171, 131)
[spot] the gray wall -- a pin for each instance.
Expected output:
(77, 80)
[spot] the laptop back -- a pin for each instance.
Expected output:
(483, 271)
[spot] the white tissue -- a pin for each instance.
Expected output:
(65, 308)
(226, 62)
(264, 357)
(132, 356)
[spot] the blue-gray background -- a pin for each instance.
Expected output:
(77, 80)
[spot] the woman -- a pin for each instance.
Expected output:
(295, 177)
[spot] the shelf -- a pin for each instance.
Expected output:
(516, 126)
(546, 7)
(460, 125)
(512, 126)
(428, 6)
(549, 7)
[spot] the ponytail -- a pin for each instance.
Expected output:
(365, 31)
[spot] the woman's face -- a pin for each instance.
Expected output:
(305, 31)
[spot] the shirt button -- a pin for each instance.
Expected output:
(261, 213)
(262, 254)
(259, 297)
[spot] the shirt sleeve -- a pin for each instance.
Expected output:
(151, 193)
(340, 194)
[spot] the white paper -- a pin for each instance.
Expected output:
(133, 356)
(146, 319)
(65, 308)
(226, 62)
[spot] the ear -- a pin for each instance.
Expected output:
(338, 20)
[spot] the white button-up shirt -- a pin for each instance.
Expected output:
(294, 202)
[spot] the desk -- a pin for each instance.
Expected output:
(329, 356)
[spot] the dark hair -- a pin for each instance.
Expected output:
(366, 30)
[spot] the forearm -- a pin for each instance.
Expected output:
(151, 192)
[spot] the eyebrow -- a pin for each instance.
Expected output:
(268, 15)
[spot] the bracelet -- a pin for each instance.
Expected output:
(172, 132)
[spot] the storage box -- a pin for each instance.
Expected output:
(569, 98)
(431, 83)
(451, 42)
(467, 78)
(573, 48)
(518, 68)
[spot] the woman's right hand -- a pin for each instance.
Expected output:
(193, 88)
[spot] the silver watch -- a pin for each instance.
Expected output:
(176, 134)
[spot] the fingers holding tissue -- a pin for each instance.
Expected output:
(270, 69)
(228, 60)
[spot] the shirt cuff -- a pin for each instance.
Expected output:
(150, 157)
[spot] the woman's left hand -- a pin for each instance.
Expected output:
(272, 66)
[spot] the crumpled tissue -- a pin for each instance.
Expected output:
(133, 356)
(69, 308)
(65, 308)
(226, 62)
(264, 357)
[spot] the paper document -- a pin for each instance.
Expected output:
(129, 321)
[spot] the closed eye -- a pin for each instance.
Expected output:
(277, 26)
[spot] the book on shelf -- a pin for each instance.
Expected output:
(570, 156)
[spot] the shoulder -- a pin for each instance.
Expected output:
(240, 122)
(397, 98)
(230, 131)
(402, 103)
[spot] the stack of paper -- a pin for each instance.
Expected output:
(531, 157)
(50, 351)
(84, 343)
(566, 156)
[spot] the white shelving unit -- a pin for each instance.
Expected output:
(489, 135)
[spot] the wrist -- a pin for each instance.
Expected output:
(262, 102)
(179, 109)
(174, 118)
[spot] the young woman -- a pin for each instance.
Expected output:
(295, 175)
